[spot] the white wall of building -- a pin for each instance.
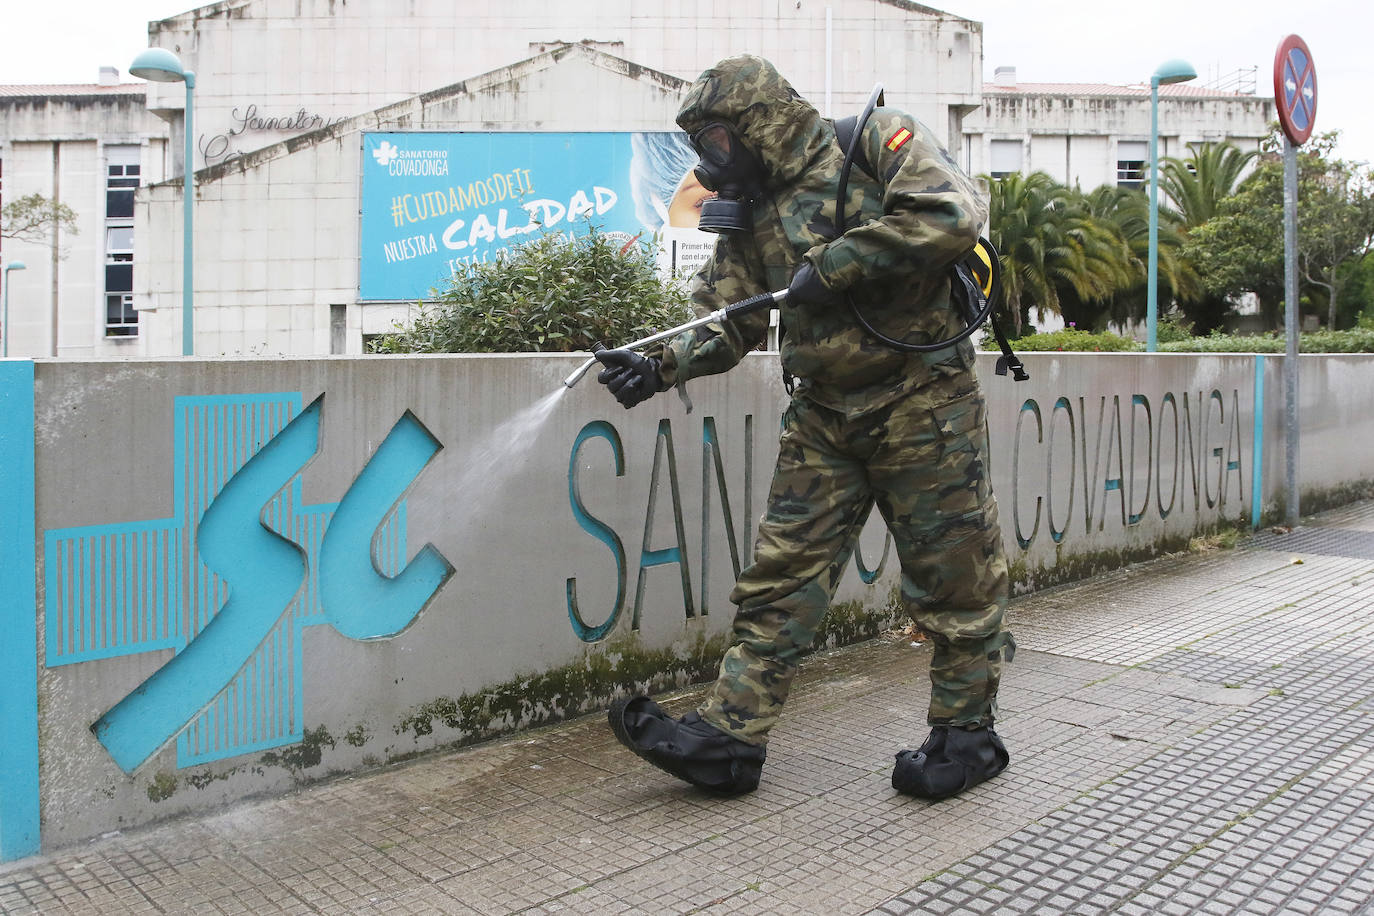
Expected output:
(289, 62)
(1076, 133)
(58, 142)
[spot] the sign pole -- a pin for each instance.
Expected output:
(1291, 320)
(1295, 98)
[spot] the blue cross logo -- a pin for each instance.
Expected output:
(230, 580)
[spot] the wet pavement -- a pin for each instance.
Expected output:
(1194, 734)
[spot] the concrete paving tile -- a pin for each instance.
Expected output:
(509, 884)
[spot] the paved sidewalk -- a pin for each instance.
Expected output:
(1194, 734)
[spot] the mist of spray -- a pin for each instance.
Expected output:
(490, 463)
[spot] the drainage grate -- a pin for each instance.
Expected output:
(1328, 542)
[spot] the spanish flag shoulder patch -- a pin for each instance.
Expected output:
(898, 140)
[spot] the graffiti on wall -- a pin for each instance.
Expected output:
(231, 579)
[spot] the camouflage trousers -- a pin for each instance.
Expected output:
(923, 461)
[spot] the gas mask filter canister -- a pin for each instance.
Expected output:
(728, 168)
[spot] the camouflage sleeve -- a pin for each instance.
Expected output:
(718, 346)
(932, 211)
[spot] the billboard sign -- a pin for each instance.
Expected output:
(434, 201)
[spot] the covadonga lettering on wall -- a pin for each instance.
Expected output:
(1125, 460)
(665, 493)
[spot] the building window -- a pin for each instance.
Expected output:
(1004, 157)
(121, 179)
(119, 191)
(1132, 160)
(121, 320)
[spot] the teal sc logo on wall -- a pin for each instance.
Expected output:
(230, 581)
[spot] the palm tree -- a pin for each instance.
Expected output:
(1128, 210)
(1052, 248)
(1196, 185)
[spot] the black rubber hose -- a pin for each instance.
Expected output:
(874, 99)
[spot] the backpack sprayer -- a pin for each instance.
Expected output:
(735, 310)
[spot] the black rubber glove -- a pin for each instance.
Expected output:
(807, 287)
(632, 378)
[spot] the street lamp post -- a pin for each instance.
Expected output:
(5, 316)
(1173, 71)
(162, 66)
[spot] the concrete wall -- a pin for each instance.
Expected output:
(248, 573)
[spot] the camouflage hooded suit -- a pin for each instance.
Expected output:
(867, 423)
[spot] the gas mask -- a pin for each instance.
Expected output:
(733, 172)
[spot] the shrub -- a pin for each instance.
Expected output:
(1173, 327)
(1069, 339)
(1217, 342)
(555, 293)
(1355, 340)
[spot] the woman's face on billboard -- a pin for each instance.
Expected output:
(684, 210)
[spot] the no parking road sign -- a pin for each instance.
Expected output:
(1295, 97)
(1295, 89)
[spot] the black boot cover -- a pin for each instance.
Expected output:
(951, 760)
(688, 748)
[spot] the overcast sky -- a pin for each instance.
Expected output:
(1076, 41)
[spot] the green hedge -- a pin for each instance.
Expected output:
(1356, 340)
(1070, 339)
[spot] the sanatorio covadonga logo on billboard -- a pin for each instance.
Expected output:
(415, 162)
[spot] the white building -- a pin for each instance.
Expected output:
(275, 67)
(282, 216)
(1093, 134)
(292, 98)
(87, 146)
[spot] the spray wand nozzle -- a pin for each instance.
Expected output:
(734, 310)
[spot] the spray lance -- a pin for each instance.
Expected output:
(735, 310)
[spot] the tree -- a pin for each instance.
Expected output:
(1052, 248)
(33, 218)
(556, 293)
(1357, 293)
(1240, 249)
(1196, 186)
(1127, 211)
(1336, 226)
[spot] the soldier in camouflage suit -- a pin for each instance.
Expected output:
(866, 424)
